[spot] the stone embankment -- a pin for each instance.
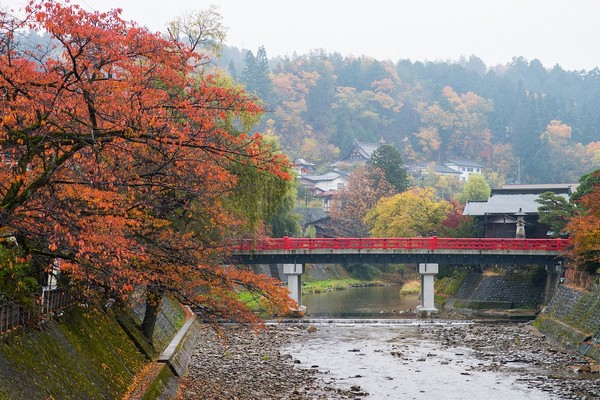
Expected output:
(573, 318)
(504, 289)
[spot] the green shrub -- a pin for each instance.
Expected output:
(17, 282)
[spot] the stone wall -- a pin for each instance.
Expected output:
(573, 318)
(505, 289)
(313, 272)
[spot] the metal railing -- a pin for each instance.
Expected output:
(288, 243)
(14, 315)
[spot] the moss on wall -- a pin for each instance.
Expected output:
(573, 318)
(83, 355)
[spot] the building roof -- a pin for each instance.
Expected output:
(303, 162)
(463, 163)
(505, 203)
(362, 150)
(366, 149)
(544, 187)
(442, 169)
(328, 176)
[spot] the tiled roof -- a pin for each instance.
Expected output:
(505, 204)
(328, 176)
(367, 149)
(442, 169)
(463, 163)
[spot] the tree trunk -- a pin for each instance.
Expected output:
(153, 303)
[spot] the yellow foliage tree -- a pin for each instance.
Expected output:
(414, 213)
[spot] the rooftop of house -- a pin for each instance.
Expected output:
(303, 162)
(511, 200)
(364, 149)
(328, 176)
(463, 163)
(544, 187)
(442, 169)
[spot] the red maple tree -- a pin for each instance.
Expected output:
(118, 152)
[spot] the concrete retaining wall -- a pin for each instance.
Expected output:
(573, 318)
(505, 291)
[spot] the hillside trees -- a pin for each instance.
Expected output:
(432, 111)
(119, 152)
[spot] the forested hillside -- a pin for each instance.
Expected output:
(521, 120)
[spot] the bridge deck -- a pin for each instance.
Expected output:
(400, 250)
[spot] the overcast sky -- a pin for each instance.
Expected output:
(553, 31)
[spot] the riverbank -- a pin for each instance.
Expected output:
(246, 365)
(349, 361)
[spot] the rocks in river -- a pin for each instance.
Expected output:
(519, 348)
(247, 365)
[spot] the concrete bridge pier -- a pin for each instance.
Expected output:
(428, 272)
(553, 280)
(294, 278)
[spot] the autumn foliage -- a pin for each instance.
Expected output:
(413, 213)
(584, 228)
(120, 154)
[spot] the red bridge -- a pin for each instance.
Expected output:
(427, 252)
(400, 250)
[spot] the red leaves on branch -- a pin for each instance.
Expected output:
(117, 152)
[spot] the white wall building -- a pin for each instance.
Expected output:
(465, 167)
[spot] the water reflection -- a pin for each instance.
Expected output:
(361, 302)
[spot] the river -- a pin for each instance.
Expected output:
(361, 302)
(367, 339)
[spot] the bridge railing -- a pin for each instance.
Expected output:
(433, 243)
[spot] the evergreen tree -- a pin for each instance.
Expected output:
(249, 72)
(389, 160)
(554, 211)
(232, 70)
(256, 75)
(264, 87)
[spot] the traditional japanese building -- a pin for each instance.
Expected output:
(499, 216)
(360, 153)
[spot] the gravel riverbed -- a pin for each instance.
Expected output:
(243, 364)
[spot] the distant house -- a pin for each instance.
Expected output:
(419, 170)
(332, 180)
(303, 167)
(443, 170)
(465, 167)
(324, 186)
(360, 153)
(497, 217)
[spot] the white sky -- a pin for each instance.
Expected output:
(554, 31)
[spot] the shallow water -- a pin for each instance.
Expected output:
(361, 302)
(400, 360)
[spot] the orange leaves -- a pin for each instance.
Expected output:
(119, 157)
